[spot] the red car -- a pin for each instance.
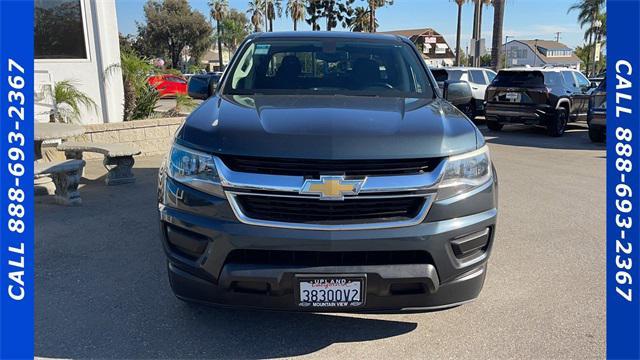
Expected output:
(168, 85)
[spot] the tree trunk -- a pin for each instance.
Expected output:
(372, 17)
(472, 59)
(129, 99)
(219, 44)
(458, 32)
(295, 25)
(478, 48)
(587, 67)
(270, 25)
(175, 57)
(496, 43)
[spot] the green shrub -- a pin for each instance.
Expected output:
(66, 92)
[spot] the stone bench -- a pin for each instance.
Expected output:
(118, 158)
(66, 177)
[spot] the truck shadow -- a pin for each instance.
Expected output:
(102, 290)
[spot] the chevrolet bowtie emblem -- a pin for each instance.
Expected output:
(332, 187)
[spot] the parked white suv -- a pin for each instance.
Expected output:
(478, 79)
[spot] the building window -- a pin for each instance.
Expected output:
(59, 30)
(441, 48)
(515, 53)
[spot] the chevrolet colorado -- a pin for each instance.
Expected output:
(327, 172)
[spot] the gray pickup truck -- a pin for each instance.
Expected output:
(327, 172)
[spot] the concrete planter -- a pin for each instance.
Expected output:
(152, 136)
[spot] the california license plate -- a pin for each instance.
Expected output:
(331, 292)
(512, 96)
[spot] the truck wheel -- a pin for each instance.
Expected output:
(494, 125)
(597, 133)
(558, 124)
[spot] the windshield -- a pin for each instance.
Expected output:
(519, 79)
(329, 66)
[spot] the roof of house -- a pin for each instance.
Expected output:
(417, 34)
(550, 45)
(411, 32)
(547, 44)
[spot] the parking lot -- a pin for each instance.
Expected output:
(102, 289)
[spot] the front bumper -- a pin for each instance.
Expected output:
(530, 114)
(200, 232)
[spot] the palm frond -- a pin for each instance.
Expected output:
(66, 92)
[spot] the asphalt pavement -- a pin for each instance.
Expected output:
(102, 289)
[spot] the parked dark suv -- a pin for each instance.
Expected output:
(328, 173)
(549, 97)
(597, 119)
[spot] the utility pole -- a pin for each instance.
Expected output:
(266, 16)
(477, 18)
(558, 36)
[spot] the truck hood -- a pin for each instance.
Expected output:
(328, 127)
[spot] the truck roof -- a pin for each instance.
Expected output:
(542, 69)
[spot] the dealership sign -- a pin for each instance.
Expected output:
(623, 180)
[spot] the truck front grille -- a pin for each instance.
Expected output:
(313, 168)
(314, 211)
(327, 258)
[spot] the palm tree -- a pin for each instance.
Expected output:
(598, 32)
(256, 9)
(295, 9)
(274, 9)
(360, 21)
(219, 9)
(588, 13)
(459, 30)
(140, 97)
(68, 100)
(478, 26)
(496, 43)
(373, 5)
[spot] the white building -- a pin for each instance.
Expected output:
(434, 48)
(540, 53)
(78, 40)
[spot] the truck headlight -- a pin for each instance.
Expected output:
(465, 172)
(193, 168)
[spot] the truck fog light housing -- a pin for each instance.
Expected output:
(194, 169)
(465, 172)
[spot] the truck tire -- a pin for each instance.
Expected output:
(494, 125)
(558, 124)
(596, 134)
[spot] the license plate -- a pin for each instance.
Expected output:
(513, 97)
(331, 292)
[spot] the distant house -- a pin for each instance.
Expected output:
(434, 48)
(77, 40)
(210, 61)
(540, 53)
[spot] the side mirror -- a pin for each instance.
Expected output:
(201, 86)
(456, 92)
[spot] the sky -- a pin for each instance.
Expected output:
(524, 19)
